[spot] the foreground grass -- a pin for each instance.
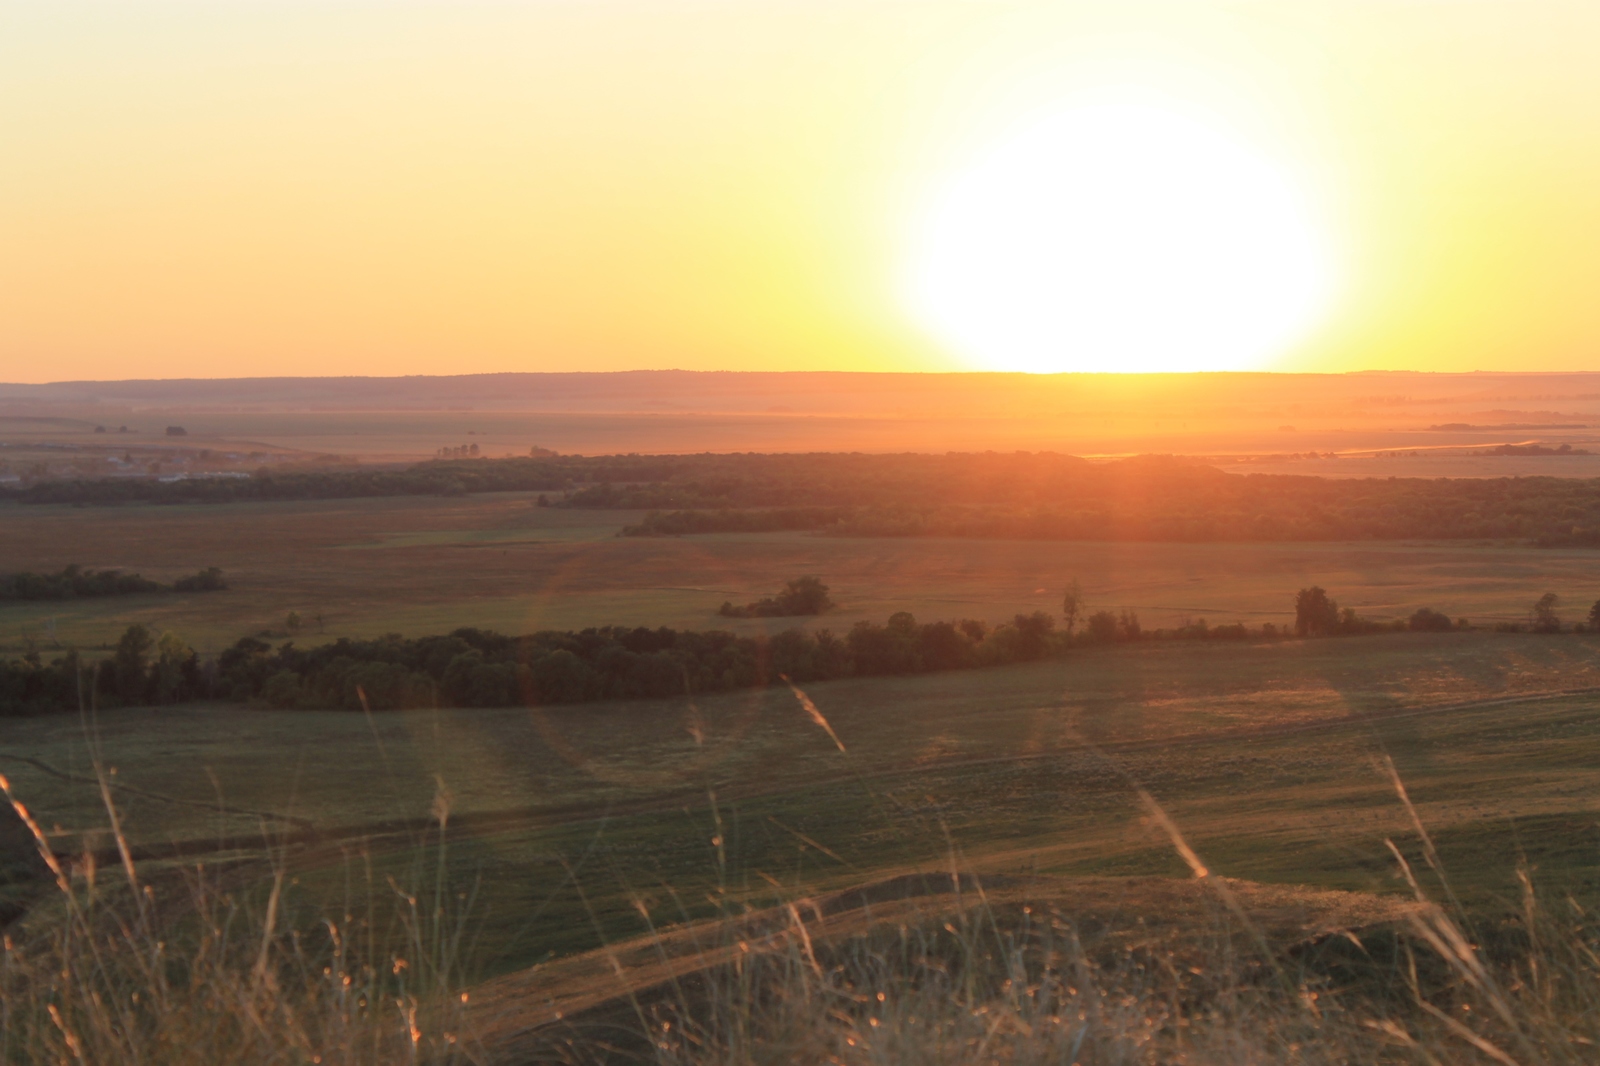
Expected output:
(560, 821)
(189, 965)
(194, 965)
(613, 856)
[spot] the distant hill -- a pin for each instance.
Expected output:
(1407, 421)
(1551, 397)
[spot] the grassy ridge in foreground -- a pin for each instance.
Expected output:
(1026, 968)
(1070, 945)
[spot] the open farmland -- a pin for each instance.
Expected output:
(420, 565)
(625, 823)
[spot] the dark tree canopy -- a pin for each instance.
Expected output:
(1314, 613)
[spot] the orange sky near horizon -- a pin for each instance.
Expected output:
(248, 188)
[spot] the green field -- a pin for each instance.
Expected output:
(1265, 754)
(427, 565)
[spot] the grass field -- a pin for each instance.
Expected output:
(1266, 755)
(573, 827)
(428, 565)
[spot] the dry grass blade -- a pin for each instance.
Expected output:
(1468, 1035)
(42, 842)
(1428, 850)
(829, 852)
(811, 709)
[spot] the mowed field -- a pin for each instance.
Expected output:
(565, 822)
(427, 565)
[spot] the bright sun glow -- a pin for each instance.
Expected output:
(1119, 237)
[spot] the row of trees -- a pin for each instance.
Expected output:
(1318, 615)
(1046, 496)
(479, 668)
(143, 670)
(438, 478)
(1019, 495)
(75, 581)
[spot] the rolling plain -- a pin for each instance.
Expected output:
(429, 565)
(564, 821)
(571, 827)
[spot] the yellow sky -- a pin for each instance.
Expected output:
(245, 188)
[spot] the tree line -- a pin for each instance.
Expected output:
(1055, 497)
(76, 581)
(481, 668)
(1316, 614)
(436, 478)
(143, 670)
(983, 495)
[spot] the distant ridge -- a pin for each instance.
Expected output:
(821, 392)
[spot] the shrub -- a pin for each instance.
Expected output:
(1543, 614)
(802, 596)
(1428, 620)
(1102, 626)
(207, 580)
(1314, 613)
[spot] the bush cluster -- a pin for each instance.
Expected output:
(74, 581)
(802, 596)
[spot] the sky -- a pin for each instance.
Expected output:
(235, 188)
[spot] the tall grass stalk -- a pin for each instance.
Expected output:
(974, 978)
(190, 965)
(161, 965)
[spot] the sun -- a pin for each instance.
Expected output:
(1122, 237)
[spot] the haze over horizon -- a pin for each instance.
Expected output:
(333, 189)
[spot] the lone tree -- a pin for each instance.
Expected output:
(804, 595)
(128, 664)
(1594, 615)
(1545, 619)
(1314, 613)
(1072, 604)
